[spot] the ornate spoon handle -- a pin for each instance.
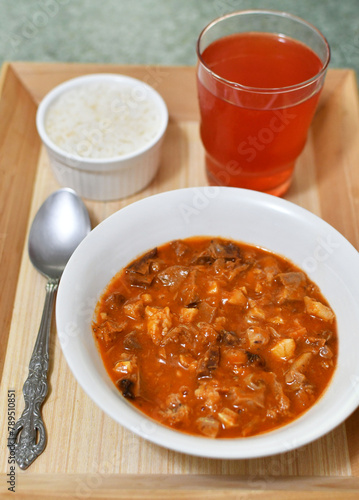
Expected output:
(29, 435)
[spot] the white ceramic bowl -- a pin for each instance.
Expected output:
(108, 178)
(248, 216)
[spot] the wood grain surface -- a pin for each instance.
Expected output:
(89, 455)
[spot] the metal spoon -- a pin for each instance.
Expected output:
(59, 226)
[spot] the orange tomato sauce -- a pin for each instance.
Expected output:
(216, 338)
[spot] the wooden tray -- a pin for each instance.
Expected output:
(89, 455)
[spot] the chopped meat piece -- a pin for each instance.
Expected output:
(325, 352)
(234, 356)
(141, 280)
(279, 395)
(213, 288)
(305, 396)
(159, 321)
(134, 309)
(225, 250)
(220, 323)
(209, 394)
(237, 298)
(297, 333)
(188, 292)
(252, 398)
(208, 363)
(218, 250)
(220, 267)
(256, 312)
(139, 272)
(277, 320)
(176, 411)
(232, 274)
(180, 248)
(126, 366)
(188, 314)
(302, 361)
(270, 267)
(295, 380)
(142, 265)
(206, 335)
(315, 308)
(228, 417)
(208, 426)
(315, 342)
(131, 341)
(229, 338)
(255, 359)
(207, 312)
(187, 361)
(254, 381)
(123, 367)
(257, 336)
(203, 260)
(292, 279)
(294, 286)
(115, 300)
(241, 397)
(327, 335)
(182, 334)
(146, 298)
(284, 349)
(109, 331)
(173, 276)
(273, 332)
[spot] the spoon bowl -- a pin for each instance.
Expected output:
(58, 227)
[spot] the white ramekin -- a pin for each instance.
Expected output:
(110, 178)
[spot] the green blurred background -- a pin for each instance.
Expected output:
(150, 31)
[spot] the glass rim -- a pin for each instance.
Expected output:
(264, 90)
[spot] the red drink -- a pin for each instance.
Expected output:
(253, 132)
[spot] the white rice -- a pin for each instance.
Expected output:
(103, 120)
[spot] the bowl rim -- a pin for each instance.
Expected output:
(78, 161)
(142, 425)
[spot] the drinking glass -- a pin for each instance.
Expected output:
(259, 77)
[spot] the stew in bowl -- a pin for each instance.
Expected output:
(206, 321)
